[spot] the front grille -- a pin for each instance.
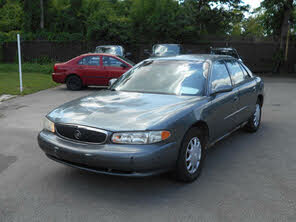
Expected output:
(81, 133)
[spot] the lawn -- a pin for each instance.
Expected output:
(36, 77)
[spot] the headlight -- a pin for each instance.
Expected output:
(147, 137)
(48, 125)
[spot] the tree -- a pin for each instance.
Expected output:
(278, 15)
(211, 17)
(253, 25)
(105, 23)
(41, 14)
(11, 16)
(155, 20)
(31, 15)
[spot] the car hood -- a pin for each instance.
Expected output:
(121, 111)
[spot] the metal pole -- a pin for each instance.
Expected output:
(20, 61)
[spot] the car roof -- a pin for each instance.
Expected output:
(98, 54)
(108, 46)
(166, 44)
(194, 57)
(224, 49)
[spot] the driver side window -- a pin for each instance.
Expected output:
(220, 78)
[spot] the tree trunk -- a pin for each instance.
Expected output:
(285, 23)
(284, 33)
(41, 14)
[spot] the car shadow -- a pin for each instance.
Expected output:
(89, 88)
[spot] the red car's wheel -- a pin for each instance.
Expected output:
(74, 83)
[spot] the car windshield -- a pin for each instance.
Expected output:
(166, 50)
(165, 77)
(114, 50)
(127, 60)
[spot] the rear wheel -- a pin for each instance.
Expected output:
(255, 120)
(74, 83)
(191, 156)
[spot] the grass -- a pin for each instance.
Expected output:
(36, 77)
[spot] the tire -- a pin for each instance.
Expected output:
(74, 83)
(184, 172)
(255, 120)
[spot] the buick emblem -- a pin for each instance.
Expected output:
(77, 134)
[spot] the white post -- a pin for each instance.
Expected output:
(20, 61)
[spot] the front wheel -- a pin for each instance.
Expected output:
(255, 120)
(191, 156)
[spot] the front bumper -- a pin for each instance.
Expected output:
(112, 159)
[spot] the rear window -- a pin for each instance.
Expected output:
(247, 69)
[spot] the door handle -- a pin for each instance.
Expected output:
(235, 99)
(254, 89)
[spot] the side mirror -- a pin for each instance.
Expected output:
(112, 81)
(240, 60)
(221, 89)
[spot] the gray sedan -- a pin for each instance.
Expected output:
(160, 116)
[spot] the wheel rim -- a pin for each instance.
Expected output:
(193, 155)
(256, 119)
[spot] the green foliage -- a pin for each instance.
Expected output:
(8, 36)
(31, 15)
(156, 20)
(273, 14)
(211, 18)
(253, 27)
(105, 23)
(138, 21)
(11, 14)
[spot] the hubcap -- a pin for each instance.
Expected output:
(193, 155)
(74, 83)
(257, 113)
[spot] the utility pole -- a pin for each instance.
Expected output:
(20, 61)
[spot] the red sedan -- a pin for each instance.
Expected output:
(90, 69)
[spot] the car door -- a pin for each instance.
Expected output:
(246, 87)
(114, 67)
(248, 94)
(223, 105)
(92, 71)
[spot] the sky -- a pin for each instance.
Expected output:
(253, 3)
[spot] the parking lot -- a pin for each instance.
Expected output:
(246, 177)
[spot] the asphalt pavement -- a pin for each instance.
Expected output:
(246, 177)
